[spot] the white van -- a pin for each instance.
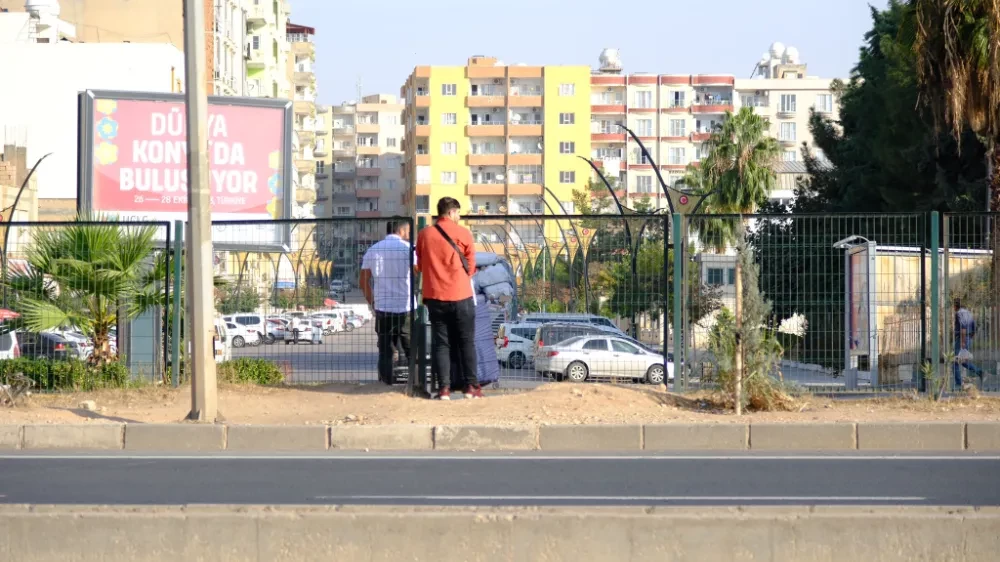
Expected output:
(252, 321)
(221, 342)
(515, 343)
(8, 345)
(360, 310)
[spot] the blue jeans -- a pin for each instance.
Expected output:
(956, 366)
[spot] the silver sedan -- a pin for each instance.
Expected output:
(585, 357)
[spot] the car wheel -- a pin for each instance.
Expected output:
(270, 339)
(516, 360)
(258, 341)
(350, 327)
(238, 341)
(655, 375)
(327, 332)
(577, 372)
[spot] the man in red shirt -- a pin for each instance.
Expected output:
(446, 256)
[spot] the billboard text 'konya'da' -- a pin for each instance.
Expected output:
(134, 162)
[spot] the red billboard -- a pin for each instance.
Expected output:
(134, 163)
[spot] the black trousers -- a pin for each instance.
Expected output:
(453, 332)
(393, 331)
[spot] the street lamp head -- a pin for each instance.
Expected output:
(850, 242)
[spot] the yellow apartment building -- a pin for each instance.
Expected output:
(502, 139)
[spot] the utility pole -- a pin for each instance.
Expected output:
(204, 393)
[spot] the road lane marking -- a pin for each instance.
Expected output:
(492, 457)
(878, 499)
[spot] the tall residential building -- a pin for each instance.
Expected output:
(299, 68)
(230, 40)
(126, 21)
(674, 115)
(362, 176)
(499, 138)
(267, 48)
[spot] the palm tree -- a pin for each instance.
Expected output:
(957, 49)
(739, 173)
(86, 275)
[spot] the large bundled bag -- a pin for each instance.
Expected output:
(487, 365)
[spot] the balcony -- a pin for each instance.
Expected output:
(524, 189)
(495, 188)
(305, 166)
(786, 112)
(320, 150)
(366, 128)
(422, 131)
(423, 159)
(423, 189)
(304, 107)
(344, 152)
(603, 135)
(485, 130)
(368, 214)
(701, 136)
(485, 101)
(712, 80)
(525, 96)
(368, 171)
(525, 128)
(712, 104)
(343, 130)
(496, 159)
(787, 141)
(256, 59)
(525, 159)
(344, 172)
(368, 150)
(304, 79)
(608, 108)
(368, 193)
(305, 196)
(422, 100)
(260, 14)
(303, 49)
(322, 173)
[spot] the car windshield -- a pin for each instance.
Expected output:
(570, 342)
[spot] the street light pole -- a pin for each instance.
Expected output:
(204, 391)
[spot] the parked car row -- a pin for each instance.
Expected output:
(580, 347)
(51, 344)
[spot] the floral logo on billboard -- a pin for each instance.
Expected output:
(274, 184)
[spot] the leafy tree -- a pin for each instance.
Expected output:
(88, 276)
(246, 299)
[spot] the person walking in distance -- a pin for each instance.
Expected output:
(446, 256)
(965, 329)
(385, 282)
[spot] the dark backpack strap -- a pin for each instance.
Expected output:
(461, 256)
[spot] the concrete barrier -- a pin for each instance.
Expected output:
(590, 437)
(347, 534)
(182, 437)
(74, 436)
(10, 437)
(803, 436)
(385, 437)
(277, 438)
(485, 438)
(912, 436)
(983, 436)
(690, 437)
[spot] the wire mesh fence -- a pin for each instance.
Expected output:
(847, 296)
(591, 299)
(83, 303)
(303, 307)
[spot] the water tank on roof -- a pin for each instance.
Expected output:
(42, 8)
(792, 55)
(777, 50)
(610, 59)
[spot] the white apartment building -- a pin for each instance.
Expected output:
(230, 30)
(47, 71)
(362, 175)
(267, 48)
(674, 114)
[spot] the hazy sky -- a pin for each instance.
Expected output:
(381, 42)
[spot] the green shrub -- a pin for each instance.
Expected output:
(70, 374)
(251, 370)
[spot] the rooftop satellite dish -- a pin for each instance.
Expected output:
(777, 50)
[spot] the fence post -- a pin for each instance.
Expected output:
(935, 296)
(678, 241)
(175, 329)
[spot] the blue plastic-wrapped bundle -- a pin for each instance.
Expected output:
(487, 366)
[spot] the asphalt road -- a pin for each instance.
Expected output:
(492, 480)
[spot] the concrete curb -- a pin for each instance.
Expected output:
(350, 533)
(189, 437)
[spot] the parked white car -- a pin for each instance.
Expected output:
(361, 310)
(515, 343)
(8, 345)
(586, 357)
(330, 321)
(242, 336)
(222, 343)
(301, 330)
(252, 321)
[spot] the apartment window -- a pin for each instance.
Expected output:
(639, 157)
(787, 132)
(255, 42)
(731, 276)
(449, 148)
(567, 118)
(320, 167)
(644, 184)
(390, 142)
(448, 89)
(567, 148)
(715, 276)
(391, 120)
(392, 162)
(423, 203)
(788, 156)
(787, 103)
(390, 184)
(343, 210)
(567, 89)
(567, 177)
(390, 206)
(644, 99)
(677, 99)
(644, 128)
(449, 118)
(449, 178)
(677, 156)
(678, 127)
(824, 103)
